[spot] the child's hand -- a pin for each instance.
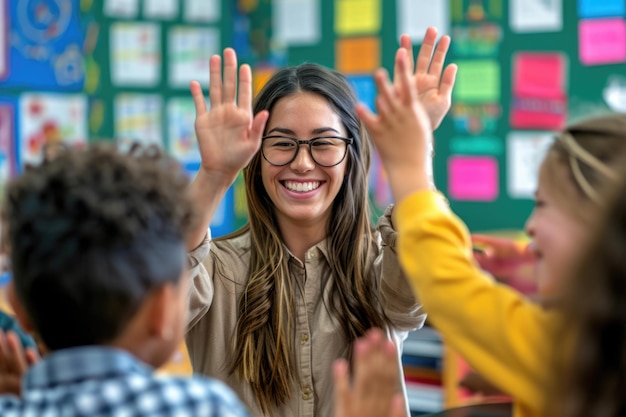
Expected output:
(14, 362)
(228, 134)
(434, 87)
(374, 391)
(401, 131)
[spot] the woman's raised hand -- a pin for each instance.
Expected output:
(228, 133)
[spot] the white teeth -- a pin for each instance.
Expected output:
(302, 187)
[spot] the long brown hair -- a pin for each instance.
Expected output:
(263, 345)
(590, 378)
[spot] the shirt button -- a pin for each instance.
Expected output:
(307, 393)
(304, 338)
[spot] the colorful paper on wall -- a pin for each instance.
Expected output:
(135, 50)
(181, 140)
(8, 136)
(476, 118)
(476, 145)
(473, 178)
(365, 89)
(48, 120)
(602, 41)
(478, 81)
(138, 119)
(379, 186)
(539, 91)
(357, 17)
(600, 8)
(476, 10)
(536, 15)
(190, 49)
(42, 46)
(477, 41)
(296, 22)
(357, 55)
(525, 152)
(414, 17)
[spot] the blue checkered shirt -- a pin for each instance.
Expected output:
(98, 381)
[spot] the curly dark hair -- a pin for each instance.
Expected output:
(90, 233)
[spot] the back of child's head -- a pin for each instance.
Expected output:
(591, 379)
(90, 234)
(583, 161)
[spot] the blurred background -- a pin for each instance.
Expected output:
(79, 70)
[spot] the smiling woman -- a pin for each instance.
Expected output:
(275, 303)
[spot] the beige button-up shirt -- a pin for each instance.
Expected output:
(217, 282)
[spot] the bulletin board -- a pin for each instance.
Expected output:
(526, 68)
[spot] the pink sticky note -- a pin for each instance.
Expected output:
(473, 178)
(539, 74)
(602, 41)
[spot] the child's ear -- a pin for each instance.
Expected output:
(18, 309)
(161, 301)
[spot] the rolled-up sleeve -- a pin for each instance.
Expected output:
(398, 298)
(201, 288)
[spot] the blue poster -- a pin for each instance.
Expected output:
(600, 8)
(44, 45)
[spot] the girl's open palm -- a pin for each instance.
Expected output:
(228, 133)
(434, 83)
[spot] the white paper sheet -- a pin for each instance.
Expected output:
(138, 119)
(536, 15)
(160, 9)
(189, 50)
(525, 152)
(181, 140)
(126, 9)
(415, 16)
(48, 119)
(202, 11)
(135, 50)
(296, 22)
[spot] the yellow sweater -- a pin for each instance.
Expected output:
(500, 333)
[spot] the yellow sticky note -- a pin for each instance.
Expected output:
(357, 17)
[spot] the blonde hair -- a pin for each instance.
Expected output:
(583, 161)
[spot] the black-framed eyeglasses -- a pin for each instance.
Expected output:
(326, 151)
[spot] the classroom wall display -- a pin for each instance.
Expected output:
(526, 69)
(40, 45)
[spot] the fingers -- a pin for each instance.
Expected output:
(397, 408)
(230, 75)
(17, 359)
(386, 93)
(447, 80)
(245, 87)
(32, 357)
(198, 98)
(369, 118)
(426, 50)
(215, 83)
(407, 90)
(439, 57)
(342, 388)
(258, 125)
(407, 45)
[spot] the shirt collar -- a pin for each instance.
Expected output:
(74, 365)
